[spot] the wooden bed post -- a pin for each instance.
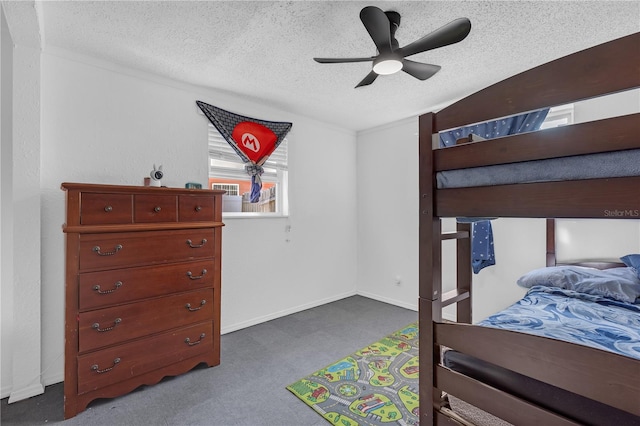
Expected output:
(463, 273)
(551, 242)
(429, 280)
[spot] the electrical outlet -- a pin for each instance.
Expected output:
(398, 280)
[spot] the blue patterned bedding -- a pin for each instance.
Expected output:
(580, 318)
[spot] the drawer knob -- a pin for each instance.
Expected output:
(116, 249)
(196, 277)
(198, 208)
(157, 209)
(108, 209)
(204, 241)
(96, 326)
(117, 285)
(197, 342)
(202, 303)
(95, 367)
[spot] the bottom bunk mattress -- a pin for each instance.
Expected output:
(593, 166)
(567, 315)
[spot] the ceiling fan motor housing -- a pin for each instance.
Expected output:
(386, 64)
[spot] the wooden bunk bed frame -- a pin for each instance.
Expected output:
(602, 376)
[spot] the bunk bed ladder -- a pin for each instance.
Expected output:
(431, 299)
(461, 295)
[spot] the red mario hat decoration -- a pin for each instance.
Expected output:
(252, 139)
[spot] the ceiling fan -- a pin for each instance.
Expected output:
(391, 58)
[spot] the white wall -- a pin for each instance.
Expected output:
(310, 257)
(604, 239)
(21, 327)
(388, 223)
(106, 124)
(387, 176)
(6, 198)
(622, 103)
(26, 202)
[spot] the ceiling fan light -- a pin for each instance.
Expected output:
(386, 66)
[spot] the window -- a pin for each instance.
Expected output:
(558, 116)
(231, 188)
(226, 171)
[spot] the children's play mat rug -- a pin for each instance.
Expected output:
(377, 385)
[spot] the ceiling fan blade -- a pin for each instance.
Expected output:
(377, 24)
(342, 60)
(419, 70)
(451, 33)
(370, 78)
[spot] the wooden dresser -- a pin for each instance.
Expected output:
(142, 287)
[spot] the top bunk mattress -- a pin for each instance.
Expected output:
(593, 166)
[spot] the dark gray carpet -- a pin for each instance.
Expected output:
(248, 387)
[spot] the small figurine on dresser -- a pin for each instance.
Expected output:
(156, 176)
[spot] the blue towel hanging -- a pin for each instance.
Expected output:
(482, 253)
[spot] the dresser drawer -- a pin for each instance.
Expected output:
(100, 289)
(118, 363)
(105, 209)
(108, 251)
(117, 324)
(197, 208)
(155, 208)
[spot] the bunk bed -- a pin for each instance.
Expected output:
(593, 375)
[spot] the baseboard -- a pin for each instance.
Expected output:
(5, 391)
(27, 392)
(285, 312)
(411, 306)
(53, 379)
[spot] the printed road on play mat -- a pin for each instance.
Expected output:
(377, 385)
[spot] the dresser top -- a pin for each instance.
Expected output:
(129, 189)
(96, 208)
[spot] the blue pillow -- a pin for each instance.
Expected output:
(632, 261)
(616, 283)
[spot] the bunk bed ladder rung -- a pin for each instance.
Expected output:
(455, 296)
(457, 235)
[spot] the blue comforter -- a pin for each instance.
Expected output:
(574, 317)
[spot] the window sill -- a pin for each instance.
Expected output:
(247, 215)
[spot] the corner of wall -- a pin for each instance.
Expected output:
(21, 286)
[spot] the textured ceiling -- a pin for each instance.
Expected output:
(263, 50)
